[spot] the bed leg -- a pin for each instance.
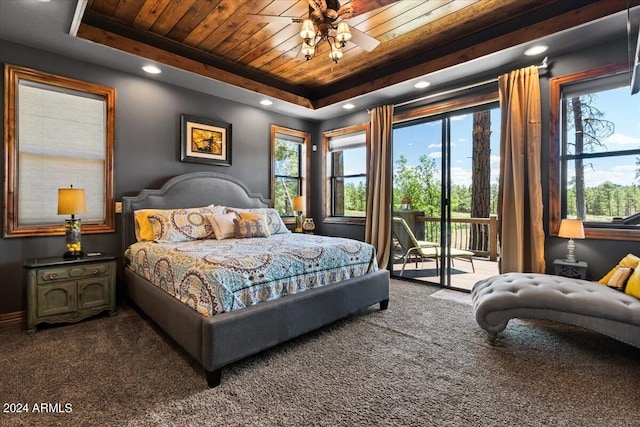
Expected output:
(384, 304)
(213, 377)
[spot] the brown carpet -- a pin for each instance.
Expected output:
(423, 362)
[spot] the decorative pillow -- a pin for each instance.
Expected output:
(180, 225)
(256, 227)
(217, 209)
(619, 279)
(144, 231)
(276, 226)
(633, 284)
(628, 261)
(223, 225)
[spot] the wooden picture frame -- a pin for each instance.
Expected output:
(205, 141)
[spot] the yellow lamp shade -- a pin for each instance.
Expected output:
(298, 204)
(71, 201)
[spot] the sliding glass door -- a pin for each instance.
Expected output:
(445, 175)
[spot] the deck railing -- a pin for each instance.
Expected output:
(479, 235)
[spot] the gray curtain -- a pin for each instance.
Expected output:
(520, 191)
(378, 226)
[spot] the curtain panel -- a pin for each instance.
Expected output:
(378, 225)
(520, 207)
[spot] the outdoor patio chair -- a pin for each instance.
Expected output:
(425, 250)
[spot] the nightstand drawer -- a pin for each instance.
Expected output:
(76, 272)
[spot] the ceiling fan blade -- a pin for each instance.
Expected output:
(363, 40)
(285, 20)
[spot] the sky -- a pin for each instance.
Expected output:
(619, 106)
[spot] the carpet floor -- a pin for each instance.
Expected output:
(422, 362)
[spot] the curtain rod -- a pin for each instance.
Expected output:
(543, 65)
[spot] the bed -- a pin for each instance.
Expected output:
(216, 341)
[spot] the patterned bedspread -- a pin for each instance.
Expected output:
(214, 276)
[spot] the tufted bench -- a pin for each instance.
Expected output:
(498, 299)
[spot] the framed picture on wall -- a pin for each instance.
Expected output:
(205, 141)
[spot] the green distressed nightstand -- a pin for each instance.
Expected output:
(69, 290)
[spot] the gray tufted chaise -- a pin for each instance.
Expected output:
(590, 305)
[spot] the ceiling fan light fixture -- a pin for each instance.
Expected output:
(308, 50)
(308, 31)
(335, 53)
(343, 33)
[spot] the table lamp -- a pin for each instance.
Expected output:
(71, 202)
(571, 229)
(298, 207)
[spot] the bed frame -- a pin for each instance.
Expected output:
(222, 339)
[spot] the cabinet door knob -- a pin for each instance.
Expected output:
(52, 276)
(96, 270)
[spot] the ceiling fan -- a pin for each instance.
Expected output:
(327, 23)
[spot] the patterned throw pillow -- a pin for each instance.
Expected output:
(256, 227)
(276, 226)
(223, 225)
(619, 279)
(181, 225)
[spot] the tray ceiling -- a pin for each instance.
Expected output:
(220, 39)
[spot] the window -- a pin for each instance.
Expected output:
(595, 160)
(58, 133)
(289, 169)
(346, 174)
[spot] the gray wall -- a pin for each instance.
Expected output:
(147, 149)
(601, 255)
(148, 143)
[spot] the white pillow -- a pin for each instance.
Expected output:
(223, 226)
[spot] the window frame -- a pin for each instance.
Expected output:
(12, 228)
(327, 167)
(303, 166)
(556, 181)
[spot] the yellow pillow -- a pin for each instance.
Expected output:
(144, 230)
(629, 261)
(250, 215)
(633, 284)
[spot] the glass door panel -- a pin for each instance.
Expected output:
(417, 152)
(445, 178)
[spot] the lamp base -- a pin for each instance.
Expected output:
(73, 255)
(73, 233)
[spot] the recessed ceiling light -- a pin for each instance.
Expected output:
(348, 106)
(536, 50)
(422, 84)
(266, 102)
(152, 69)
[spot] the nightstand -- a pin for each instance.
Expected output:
(576, 269)
(69, 290)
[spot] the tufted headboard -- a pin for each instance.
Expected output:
(190, 190)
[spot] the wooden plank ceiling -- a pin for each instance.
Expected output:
(220, 39)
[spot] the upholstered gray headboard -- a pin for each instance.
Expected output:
(190, 190)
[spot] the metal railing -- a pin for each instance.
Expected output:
(479, 235)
